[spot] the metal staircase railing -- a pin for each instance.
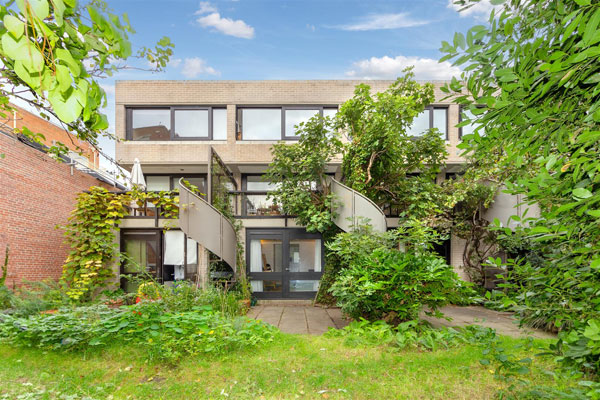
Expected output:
(206, 225)
(355, 209)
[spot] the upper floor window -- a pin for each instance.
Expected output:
(431, 117)
(466, 114)
(157, 183)
(176, 123)
(276, 123)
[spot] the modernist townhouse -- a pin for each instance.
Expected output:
(186, 129)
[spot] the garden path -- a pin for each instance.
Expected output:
(299, 318)
(306, 319)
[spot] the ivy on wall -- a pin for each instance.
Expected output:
(90, 233)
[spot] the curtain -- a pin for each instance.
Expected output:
(257, 286)
(192, 251)
(318, 255)
(173, 248)
(256, 264)
(256, 256)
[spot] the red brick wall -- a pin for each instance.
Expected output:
(36, 194)
(52, 133)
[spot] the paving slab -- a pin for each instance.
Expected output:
(293, 320)
(318, 321)
(503, 322)
(270, 315)
(337, 317)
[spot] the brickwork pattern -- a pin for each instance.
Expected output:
(37, 193)
(233, 94)
(52, 133)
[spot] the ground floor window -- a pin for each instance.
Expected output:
(168, 256)
(284, 263)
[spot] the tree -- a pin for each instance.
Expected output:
(299, 171)
(532, 81)
(53, 53)
(382, 161)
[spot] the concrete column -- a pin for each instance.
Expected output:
(202, 275)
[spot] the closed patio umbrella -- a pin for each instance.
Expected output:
(137, 176)
(137, 181)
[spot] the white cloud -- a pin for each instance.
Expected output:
(176, 62)
(390, 68)
(108, 89)
(310, 27)
(211, 18)
(382, 21)
(205, 7)
(192, 67)
(479, 10)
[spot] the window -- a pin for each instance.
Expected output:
(466, 114)
(276, 123)
(157, 183)
(151, 124)
(191, 123)
(261, 123)
(219, 124)
(432, 117)
(255, 201)
(294, 118)
(176, 123)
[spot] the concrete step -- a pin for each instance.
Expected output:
(285, 302)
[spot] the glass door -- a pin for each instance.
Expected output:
(144, 256)
(265, 263)
(305, 264)
(284, 263)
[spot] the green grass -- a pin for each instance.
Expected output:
(305, 367)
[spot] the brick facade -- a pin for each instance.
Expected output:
(37, 193)
(20, 118)
(232, 94)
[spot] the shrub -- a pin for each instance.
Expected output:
(6, 297)
(35, 297)
(411, 334)
(395, 286)
(165, 334)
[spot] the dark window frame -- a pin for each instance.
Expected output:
(460, 113)
(283, 108)
(173, 181)
(431, 108)
(285, 235)
(129, 121)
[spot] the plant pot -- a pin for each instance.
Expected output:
(245, 304)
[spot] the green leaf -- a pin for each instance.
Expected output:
(595, 264)
(68, 110)
(581, 193)
(14, 25)
(40, 8)
(59, 10)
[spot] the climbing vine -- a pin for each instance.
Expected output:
(90, 233)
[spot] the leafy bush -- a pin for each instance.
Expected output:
(395, 286)
(410, 334)
(165, 334)
(6, 296)
(34, 297)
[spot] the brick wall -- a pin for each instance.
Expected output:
(36, 194)
(52, 133)
(232, 94)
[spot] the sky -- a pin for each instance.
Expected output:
(293, 39)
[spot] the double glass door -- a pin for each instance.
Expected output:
(284, 263)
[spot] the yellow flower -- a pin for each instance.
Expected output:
(211, 332)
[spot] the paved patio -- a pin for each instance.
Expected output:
(304, 319)
(299, 318)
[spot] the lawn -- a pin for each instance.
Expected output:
(294, 366)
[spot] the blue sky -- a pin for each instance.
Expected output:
(294, 39)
